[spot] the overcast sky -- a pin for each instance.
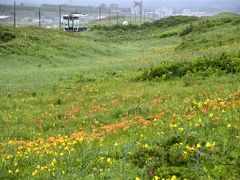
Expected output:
(147, 3)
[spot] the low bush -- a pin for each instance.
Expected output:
(162, 23)
(171, 21)
(204, 26)
(168, 34)
(115, 27)
(6, 36)
(205, 66)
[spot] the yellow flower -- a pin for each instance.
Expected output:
(211, 115)
(109, 160)
(200, 104)
(181, 129)
(10, 171)
(173, 125)
(156, 178)
(137, 178)
(34, 173)
(174, 178)
(54, 160)
(210, 145)
(229, 125)
(79, 139)
(19, 154)
(101, 158)
(61, 154)
(198, 145)
(189, 148)
(185, 154)
(17, 170)
(146, 146)
(63, 172)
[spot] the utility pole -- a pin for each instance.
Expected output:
(100, 13)
(60, 17)
(130, 18)
(109, 15)
(117, 17)
(140, 16)
(141, 10)
(135, 16)
(14, 14)
(39, 17)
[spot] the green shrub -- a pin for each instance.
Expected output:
(116, 27)
(204, 26)
(187, 30)
(204, 66)
(170, 21)
(168, 34)
(162, 23)
(6, 36)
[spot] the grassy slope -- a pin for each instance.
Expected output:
(54, 84)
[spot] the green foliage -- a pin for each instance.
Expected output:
(116, 27)
(171, 21)
(205, 66)
(206, 25)
(207, 33)
(168, 34)
(121, 33)
(6, 36)
(187, 30)
(162, 23)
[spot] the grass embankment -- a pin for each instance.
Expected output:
(73, 105)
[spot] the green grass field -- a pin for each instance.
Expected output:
(160, 100)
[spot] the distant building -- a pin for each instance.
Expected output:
(160, 13)
(199, 14)
(152, 15)
(27, 20)
(188, 12)
(101, 17)
(164, 12)
(48, 20)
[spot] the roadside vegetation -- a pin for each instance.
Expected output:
(160, 100)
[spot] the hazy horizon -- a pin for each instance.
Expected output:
(221, 4)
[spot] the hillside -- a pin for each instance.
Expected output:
(159, 100)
